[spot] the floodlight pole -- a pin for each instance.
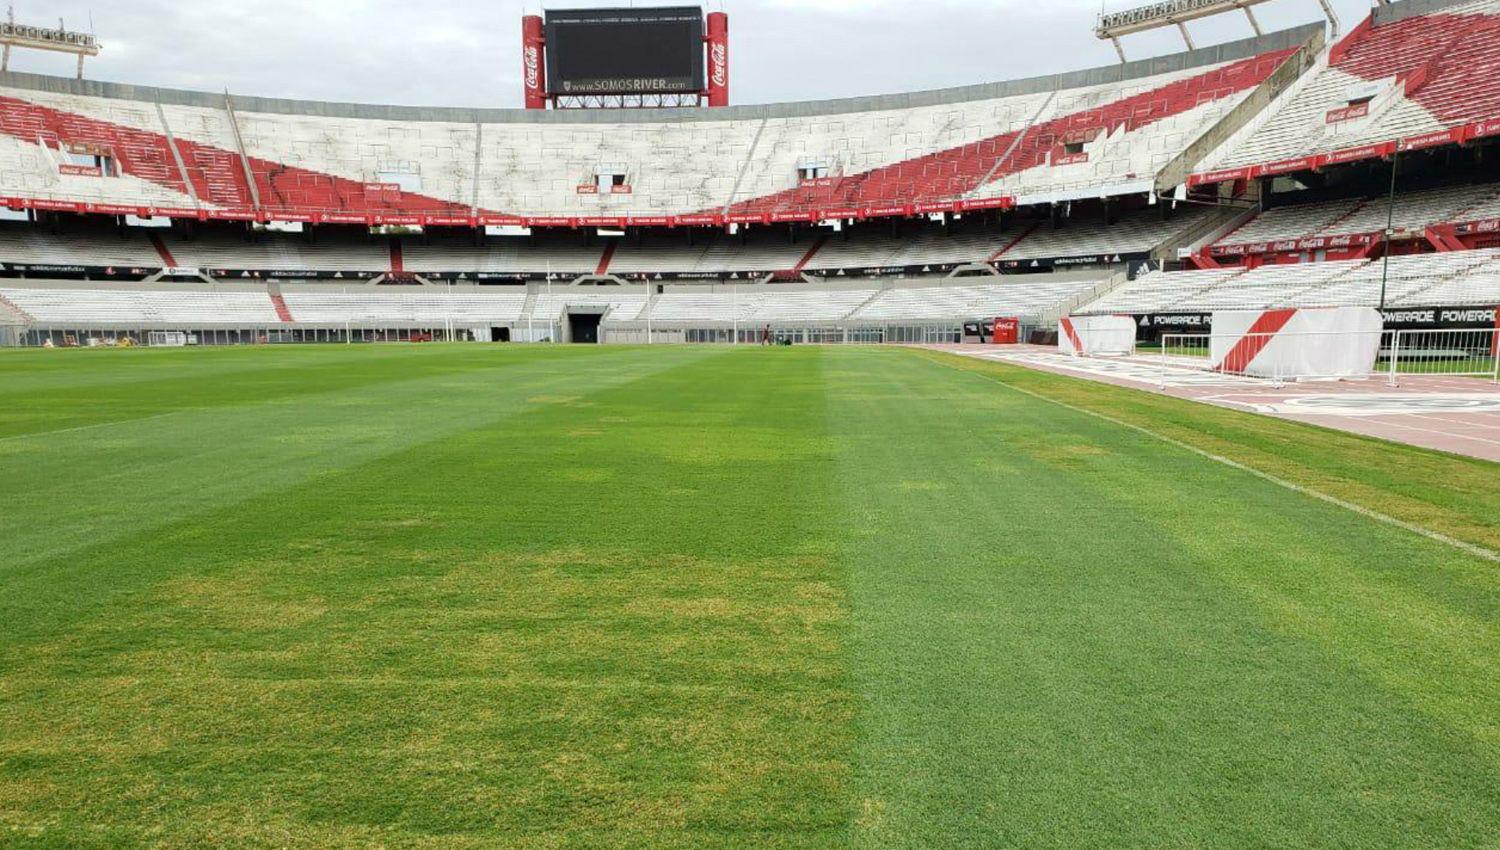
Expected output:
(1177, 13)
(1390, 224)
(1254, 24)
(1187, 39)
(1333, 17)
(553, 328)
(60, 40)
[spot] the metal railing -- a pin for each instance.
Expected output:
(1311, 355)
(1456, 352)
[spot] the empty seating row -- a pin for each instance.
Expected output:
(434, 308)
(1411, 212)
(125, 308)
(185, 307)
(761, 250)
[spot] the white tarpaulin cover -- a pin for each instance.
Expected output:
(1334, 342)
(1081, 335)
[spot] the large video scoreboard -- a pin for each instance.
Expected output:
(625, 51)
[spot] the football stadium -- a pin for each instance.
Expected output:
(1102, 458)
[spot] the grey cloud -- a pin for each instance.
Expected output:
(466, 52)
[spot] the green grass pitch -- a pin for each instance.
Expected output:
(548, 597)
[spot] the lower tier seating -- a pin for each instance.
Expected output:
(1454, 279)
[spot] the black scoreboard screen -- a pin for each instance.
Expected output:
(625, 51)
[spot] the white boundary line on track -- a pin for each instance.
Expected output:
(1481, 424)
(1436, 431)
(1437, 536)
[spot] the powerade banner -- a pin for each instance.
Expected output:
(1418, 318)
(1176, 321)
(1153, 325)
(625, 51)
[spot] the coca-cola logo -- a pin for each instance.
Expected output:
(718, 58)
(533, 67)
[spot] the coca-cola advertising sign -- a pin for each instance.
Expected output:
(1347, 113)
(533, 60)
(718, 64)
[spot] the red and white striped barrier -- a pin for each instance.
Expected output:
(1334, 342)
(1083, 336)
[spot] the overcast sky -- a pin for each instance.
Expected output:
(467, 52)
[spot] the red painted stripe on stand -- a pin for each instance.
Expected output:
(161, 251)
(283, 312)
(607, 257)
(808, 257)
(398, 260)
(216, 174)
(1014, 242)
(954, 172)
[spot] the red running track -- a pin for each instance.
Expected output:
(1460, 415)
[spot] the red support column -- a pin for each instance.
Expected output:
(718, 59)
(533, 69)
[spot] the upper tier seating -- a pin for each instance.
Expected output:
(1087, 134)
(1403, 77)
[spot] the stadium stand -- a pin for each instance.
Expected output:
(332, 252)
(89, 244)
(1410, 214)
(514, 256)
(133, 308)
(1451, 279)
(1028, 299)
(915, 247)
(1414, 74)
(1138, 233)
(419, 308)
(760, 250)
(143, 307)
(108, 148)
